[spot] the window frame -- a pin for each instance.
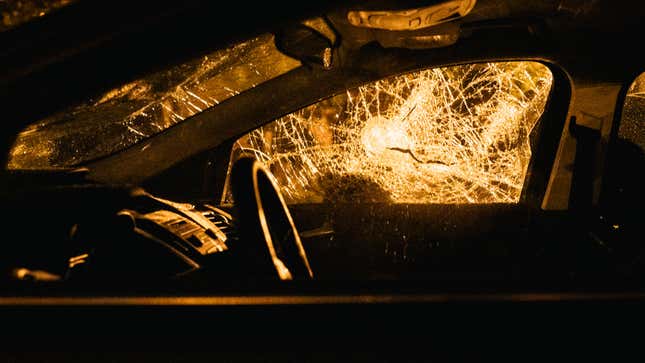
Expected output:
(545, 136)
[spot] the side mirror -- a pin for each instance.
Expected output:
(305, 44)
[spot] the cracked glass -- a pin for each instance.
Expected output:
(631, 126)
(138, 110)
(451, 135)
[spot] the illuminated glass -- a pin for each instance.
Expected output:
(457, 134)
(135, 111)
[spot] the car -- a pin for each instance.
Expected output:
(346, 164)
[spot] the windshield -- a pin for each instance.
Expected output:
(135, 111)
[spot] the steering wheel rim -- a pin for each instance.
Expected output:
(269, 235)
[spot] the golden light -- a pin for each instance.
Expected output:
(380, 136)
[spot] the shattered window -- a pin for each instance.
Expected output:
(137, 110)
(631, 126)
(450, 135)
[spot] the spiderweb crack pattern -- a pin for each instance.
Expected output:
(458, 134)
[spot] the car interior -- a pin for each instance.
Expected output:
(327, 168)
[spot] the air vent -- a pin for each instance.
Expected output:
(223, 223)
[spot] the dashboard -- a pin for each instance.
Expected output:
(165, 239)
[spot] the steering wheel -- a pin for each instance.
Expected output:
(269, 237)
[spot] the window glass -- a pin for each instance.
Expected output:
(450, 135)
(631, 126)
(135, 111)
